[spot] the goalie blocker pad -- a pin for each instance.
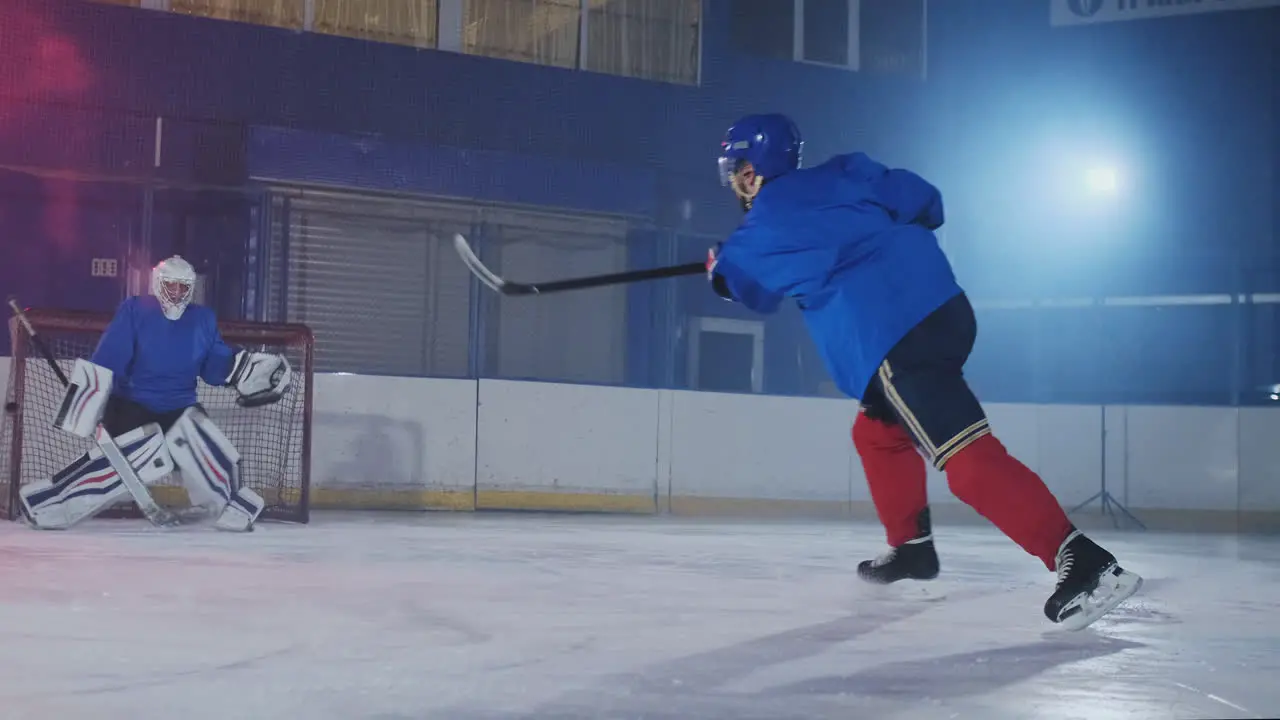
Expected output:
(90, 484)
(259, 378)
(85, 399)
(211, 472)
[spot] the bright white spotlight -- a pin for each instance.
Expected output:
(1102, 180)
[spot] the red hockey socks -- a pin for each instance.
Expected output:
(1003, 490)
(895, 474)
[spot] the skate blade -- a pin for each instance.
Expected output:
(1115, 586)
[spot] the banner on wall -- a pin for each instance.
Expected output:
(1089, 12)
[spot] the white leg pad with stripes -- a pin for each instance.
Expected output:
(210, 467)
(90, 484)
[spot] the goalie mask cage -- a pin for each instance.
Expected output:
(274, 440)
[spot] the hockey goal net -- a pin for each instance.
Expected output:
(274, 440)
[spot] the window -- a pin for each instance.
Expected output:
(826, 32)
(546, 32)
(816, 31)
(882, 36)
(289, 14)
(402, 22)
(652, 39)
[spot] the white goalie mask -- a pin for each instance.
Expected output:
(173, 282)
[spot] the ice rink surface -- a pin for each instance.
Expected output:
(485, 617)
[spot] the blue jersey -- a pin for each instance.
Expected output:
(852, 241)
(155, 360)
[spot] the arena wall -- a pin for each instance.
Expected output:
(434, 444)
(399, 443)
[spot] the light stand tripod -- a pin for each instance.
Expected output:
(1110, 506)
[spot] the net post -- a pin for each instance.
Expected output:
(304, 501)
(17, 383)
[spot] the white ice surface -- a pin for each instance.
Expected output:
(521, 616)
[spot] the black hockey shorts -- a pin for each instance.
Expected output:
(921, 384)
(122, 415)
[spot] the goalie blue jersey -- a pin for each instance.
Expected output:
(852, 241)
(156, 360)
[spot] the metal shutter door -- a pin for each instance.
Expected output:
(377, 280)
(574, 337)
(450, 283)
(361, 284)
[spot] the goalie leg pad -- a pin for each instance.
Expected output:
(207, 459)
(240, 514)
(90, 484)
(85, 399)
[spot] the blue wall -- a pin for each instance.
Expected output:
(81, 85)
(1188, 103)
(1188, 108)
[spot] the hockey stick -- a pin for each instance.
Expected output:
(141, 495)
(507, 287)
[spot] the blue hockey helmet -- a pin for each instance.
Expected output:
(770, 142)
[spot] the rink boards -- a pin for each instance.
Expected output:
(427, 443)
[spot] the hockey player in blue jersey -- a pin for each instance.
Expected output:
(852, 242)
(138, 390)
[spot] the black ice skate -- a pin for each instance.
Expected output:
(1090, 583)
(913, 560)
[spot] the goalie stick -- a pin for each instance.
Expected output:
(147, 504)
(507, 287)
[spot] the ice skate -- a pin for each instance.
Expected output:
(1090, 583)
(915, 559)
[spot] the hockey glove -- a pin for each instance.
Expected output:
(718, 283)
(260, 378)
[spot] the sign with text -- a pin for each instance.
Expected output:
(103, 267)
(1089, 12)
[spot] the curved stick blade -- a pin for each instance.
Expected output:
(473, 263)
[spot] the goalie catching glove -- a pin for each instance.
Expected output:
(259, 378)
